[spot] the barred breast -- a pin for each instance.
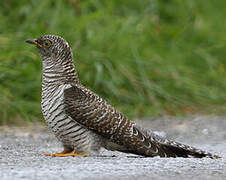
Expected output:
(68, 131)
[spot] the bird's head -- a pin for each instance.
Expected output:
(56, 57)
(52, 48)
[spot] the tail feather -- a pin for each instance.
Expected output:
(148, 144)
(178, 151)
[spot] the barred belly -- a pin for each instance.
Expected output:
(68, 131)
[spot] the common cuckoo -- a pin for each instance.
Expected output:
(83, 122)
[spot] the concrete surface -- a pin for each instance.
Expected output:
(21, 156)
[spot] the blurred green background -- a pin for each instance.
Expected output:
(147, 58)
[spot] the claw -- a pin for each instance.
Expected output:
(65, 153)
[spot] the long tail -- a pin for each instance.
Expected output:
(146, 143)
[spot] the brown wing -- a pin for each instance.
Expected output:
(88, 109)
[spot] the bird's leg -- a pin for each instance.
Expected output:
(66, 153)
(72, 153)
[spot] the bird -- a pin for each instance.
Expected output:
(84, 122)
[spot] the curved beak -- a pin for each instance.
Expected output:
(33, 41)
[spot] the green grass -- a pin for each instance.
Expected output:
(147, 58)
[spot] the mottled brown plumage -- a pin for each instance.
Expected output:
(83, 121)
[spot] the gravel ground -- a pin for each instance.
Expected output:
(21, 156)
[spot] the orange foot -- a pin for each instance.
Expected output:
(65, 153)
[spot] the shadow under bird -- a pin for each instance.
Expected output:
(83, 122)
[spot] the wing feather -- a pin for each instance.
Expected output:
(91, 111)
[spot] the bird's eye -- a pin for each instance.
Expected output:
(47, 43)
